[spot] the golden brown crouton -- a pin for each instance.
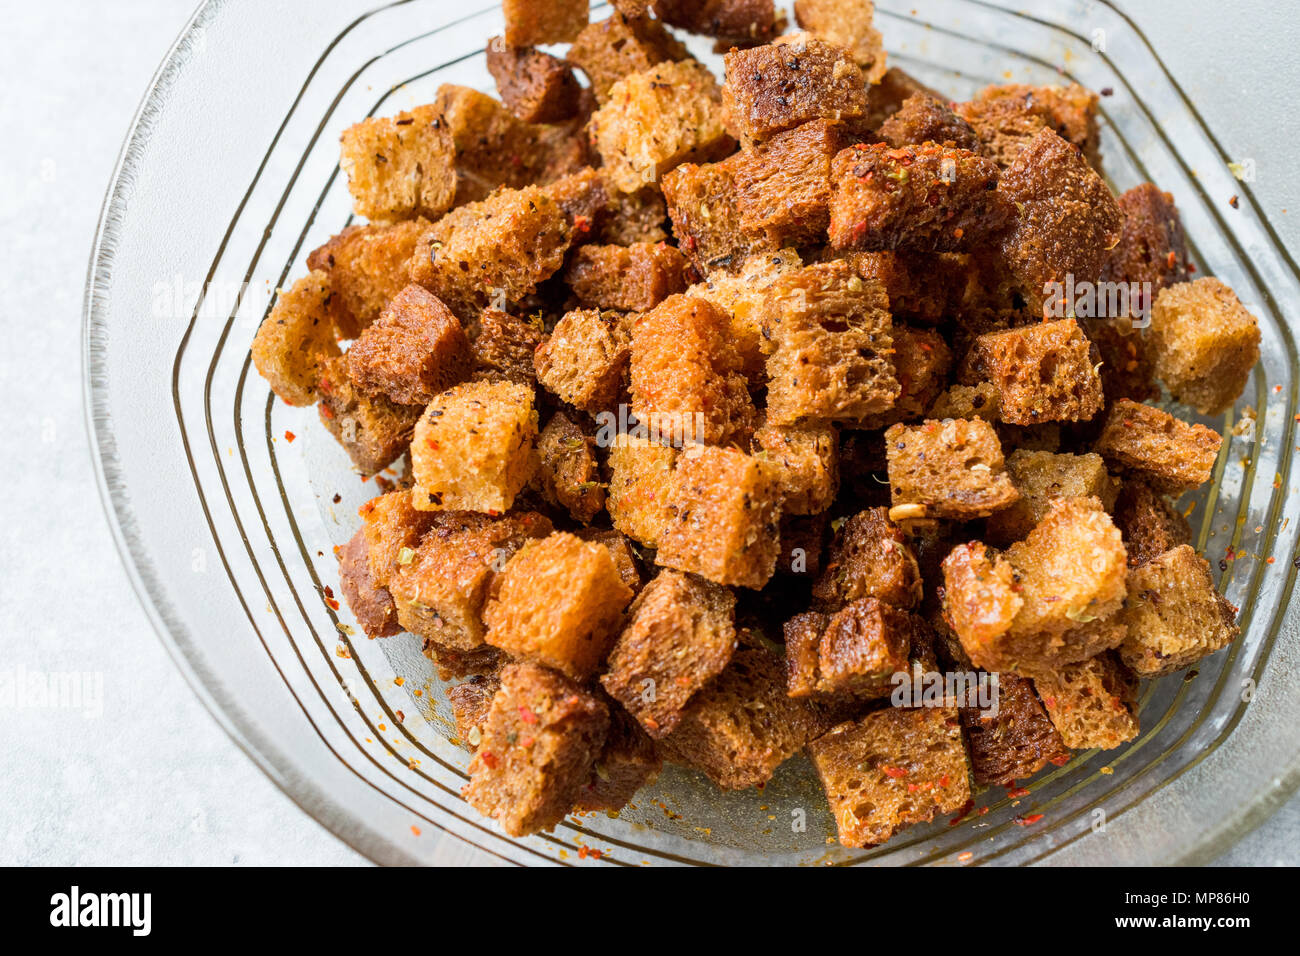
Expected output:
(474, 449)
(529, 22)
(1205, 344)
(1169, 454)
(640, 472)
(847, 24)
(947, 469)
(535, 86)
(414, 350)
(620, 549)
(1041, 477)
(967, 401)
(922, 361)
(401, 166)
(504, 346)
(611, 49)
(808, 456)
(584, 361)
(393, 530)
(706, 218)
(295, 341)
(367, 266)
(471, 703)
(855, 653)
(374, 431)
(569, 474)
(870, 557)
(1004, 126)
(558, 602)
(632, 278)
(1069, 110)
(371, 604)
(1092, 703)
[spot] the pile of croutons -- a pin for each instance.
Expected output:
(719, 407)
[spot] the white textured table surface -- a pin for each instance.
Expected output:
(143, 775)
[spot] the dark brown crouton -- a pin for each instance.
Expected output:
(612, 49)
(924, 119)
(1069, 110)
(922, 361)
(629, 218)
(453, 664)
(538, 750)
(1152, 246)
(1149, 524)
(1092, 703)
(742, 726)
(628, 278)
(628, 761)
(808, 456)
(847, 24)
(530, 22)
(367, 266)
(887, 96)
(372, 430)
(680, 634)
(371, 604)
(585, 359)
(1042, 477)
(1174, 614)
(504, 346)
(925, 289)
(1127, 365)
(856, 653)
(870, 557)
(738, 23)
(415, 350)
(1205, 343)
(1013, 741)
(471, 703)
(402, 166)
(295, 343)
(585, 201)
(1005, 127)
(795, 80)
(569, 473)
(725, 509)
(928, 198)
(706, 218)
(640, 473)
(625, 558)
(1168, 453)
(535, 86)
(947, 469)
(891, 769)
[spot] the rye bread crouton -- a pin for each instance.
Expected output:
(922, 361)
(680, 634)
(413, 351)
(530, 22)
(924, 119)
(371, 604)
(1171, 455)
(1092, 703)
(1005, 127)
(706, 218)
(734, 23)
(402, 166)
(1152, 246)
(569, 471)
(947, 469)
(870, 557)
(584, 361)
(367, 266)
(640, 473)
(1205, 343)
(854, 652)
(1149, 523)
(1013, 741)
(847, 24)
(374, 431)
(632, 278)
(471, 703)
(803, 539)
(628, 761)
(296, 340)
(535, 86)
(808, 456)
(1071, 111)
(620, 549)
(1127, 363)
(503, 348)
(1042, 477)
(611, 49)
(886, 96)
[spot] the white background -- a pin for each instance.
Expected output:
(153, 780)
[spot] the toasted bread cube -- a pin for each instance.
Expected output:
(374, 431)
(473, 448)
(922, 361)
(680, 634)
(808, 456)
(402, 166)
(569, 473)
(687, 383)
(585, 359)
(1042, 477)
(471, 703)
(742, 726)
(891, 769)
(847, 24)
(1175, 615)
(870, 557)
(783, 187)
(656, 120)
(628, 761)
(620, 46)
(1013, 741)
(927, 198)
(1152, 246)
(625, 558)
(794, 80)
(295, 342)
(737, 23)
(856, 654)
(803, 538)
(967, 401)
(368, 266)
(1149, 524)
(393, 530)
(535, 86)
(452, 664)
(1069, 110)
(886, 96)
(1043, 372)
(530, 22)
(371, 604)
(640, 473)
(924, 119)
(725, 512)
(538, 750)
(1092, 703)
(441, 586)
(922, 288)
(831, 338)
(1005, 126)
(415, 350)
(981, 599)
(1205, 344)
(947, 469)
(504, 347)
(632, 278)
(585, 201)
(1127, 362)
(1169, 454)
(1068, 221)
(706, 218)
(629, 218)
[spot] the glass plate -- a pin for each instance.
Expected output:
(229, 177)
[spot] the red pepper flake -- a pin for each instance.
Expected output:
(433, 445)
(334, 605)
(1015, 792)
(325, 412)
(1173, 259)
(401, 717)
(527, 742)
(488, 758)
(945, 780)
(587, 851)
(1060, 760)
(1234, 202)
(896, 773)
(1191, 267)
(1028, 821)
(289, 437)
(963, 857)
(415, 831)
(526, 715)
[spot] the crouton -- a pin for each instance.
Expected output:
(1013, 741)
(530, 22)
(706, 218)
(473, 448)
(374, 431)
(742, 726)
(808, 456)
(393, 529)
(1150, 525)
(585, 201)
(1174, 614)
(947, 469)
(296, 340)
(585, 359)
(870, 557)
(886, 96)
(492, 252)
(371, 604)
(1092, 703)
(725, 509)
(680, 634)
(629, 218)
(1068, 221)
(569, 473)
(924, 119)
(967, 401)
(927, 198)
(981, 596)
(1205, 344)
(1169, 454)
(830, 333)
(441, 586)
(1152, 246)
(640, 472)
(657, 119)
(1127, 364)
(922, 361)
(539, 748)
(856, 653)
(891, 769)
(453, 664)
(1042, 477)
(924, 289)
(415, 350)
(685, 377)
(1005, 127)
(795, 80)
(1071, 111)
(632, 278)
(625, 559)
(535, 86)
(471, 703)
(628, 761)
(401, 166)
(847, 24)
(558, 602)
(620, 46)
(738, 23)
(368, 266)
(503, 348)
